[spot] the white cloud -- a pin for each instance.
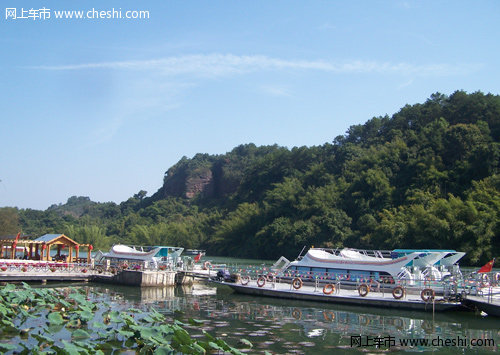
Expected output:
(405, 84)
(215, 65)
(327, 26)
(275, 90)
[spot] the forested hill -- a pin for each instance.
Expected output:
(427, 177)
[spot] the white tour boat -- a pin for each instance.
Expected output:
(354, 265)
(155, 255)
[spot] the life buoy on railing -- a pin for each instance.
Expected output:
(297, 283)
(485, 280)
(427, 294)
(328, 289)
(207, 265)
(497, 277)
(261, 281)
(363, 290)
(269, 277)
(245, 280)
(398, 292)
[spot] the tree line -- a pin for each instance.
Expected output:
(427, 177)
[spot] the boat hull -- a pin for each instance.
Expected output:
(347, 298)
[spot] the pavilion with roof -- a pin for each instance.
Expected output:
(66, 249)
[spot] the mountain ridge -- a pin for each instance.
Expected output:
(426, 177)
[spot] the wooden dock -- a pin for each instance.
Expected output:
(343, 296)
(488, 301)
(29, 271)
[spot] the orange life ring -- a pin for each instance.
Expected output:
(261, 281)
(329, 316)
(427, 294)
(328, 289)
(398, 292)
(363, 290)
(297, 283)
(245, 280)
(207, 265)
(269, 277)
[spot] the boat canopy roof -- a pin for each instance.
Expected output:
(424, 251)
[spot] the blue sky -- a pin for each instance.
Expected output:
(103, 107)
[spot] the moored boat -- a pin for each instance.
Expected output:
(155, 255)
(354, 265)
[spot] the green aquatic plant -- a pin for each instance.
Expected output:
(74, 321)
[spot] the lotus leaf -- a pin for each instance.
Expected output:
(55, 318)
(80, 334)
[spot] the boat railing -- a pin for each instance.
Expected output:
(300, 254)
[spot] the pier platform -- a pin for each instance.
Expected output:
(488, 301)
(29, 271)
(42, 271)
(343, 296)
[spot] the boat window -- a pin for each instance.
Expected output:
(303, 268)
(162, 252)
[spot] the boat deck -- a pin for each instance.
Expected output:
(488, 301)
(343, 296)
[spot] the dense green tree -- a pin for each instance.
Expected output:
(9, 221)
(426, 177)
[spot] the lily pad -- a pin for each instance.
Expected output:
(7, 347)
(80, 334)
(55, 318)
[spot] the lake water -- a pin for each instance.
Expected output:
(287, 326)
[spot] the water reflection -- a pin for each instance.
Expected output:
(286, 326)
